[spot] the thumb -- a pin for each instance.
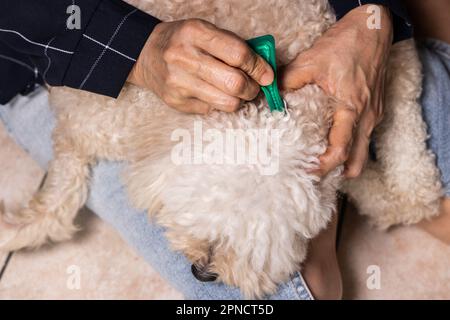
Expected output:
(296, 76)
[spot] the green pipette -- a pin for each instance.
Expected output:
(265, 47)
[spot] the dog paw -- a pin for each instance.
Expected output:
(201, 273)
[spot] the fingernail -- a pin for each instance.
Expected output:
(267, 78)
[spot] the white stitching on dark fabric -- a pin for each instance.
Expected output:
(44, 76)
(106, 48)
(23, 64)
(110, 48)
(34, 42)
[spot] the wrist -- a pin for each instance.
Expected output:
(141, 73)
(137, 73)
(384, 10)
(373, 20)
(132, 77)
(371, 12)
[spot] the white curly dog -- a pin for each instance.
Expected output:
(248, 228)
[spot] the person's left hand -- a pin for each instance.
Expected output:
(349, 63)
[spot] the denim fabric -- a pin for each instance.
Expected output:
(30, 122)
(435, 57)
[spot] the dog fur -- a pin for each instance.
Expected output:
(403, 185)
(251, 230)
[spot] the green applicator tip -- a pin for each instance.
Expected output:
(265, 47)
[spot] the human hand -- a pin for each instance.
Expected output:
(349, 63)
(194, 66)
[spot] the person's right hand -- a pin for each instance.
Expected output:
(194, 66)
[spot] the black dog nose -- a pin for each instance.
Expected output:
(201, 274)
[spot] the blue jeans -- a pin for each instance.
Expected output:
(435, 57)
(30, 121)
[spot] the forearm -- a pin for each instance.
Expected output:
(402, 30)
(70, 45)
(431, 19)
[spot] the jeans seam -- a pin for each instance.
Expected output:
(292, 285)
(302, 285)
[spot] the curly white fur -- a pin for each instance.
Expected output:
(250, 229)
(403, 186)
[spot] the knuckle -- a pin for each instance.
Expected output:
(181, 93)
(258, 68)
(197, 27)
(191, 26)
(235, 83)
(240, 53)
(354, 110)
(171, 54)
